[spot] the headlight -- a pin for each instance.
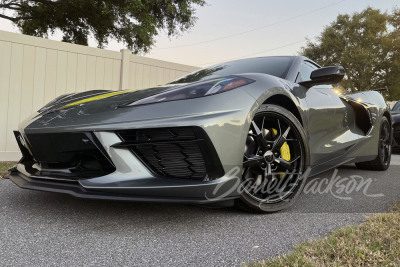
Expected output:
(197, 89)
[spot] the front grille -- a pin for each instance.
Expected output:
(68, 155)
(176, 152)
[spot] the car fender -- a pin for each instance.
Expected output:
(267, 86)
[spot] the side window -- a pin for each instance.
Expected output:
(305, 71)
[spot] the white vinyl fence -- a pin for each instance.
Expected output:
(33, 71)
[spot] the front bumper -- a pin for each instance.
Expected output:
(132, 179)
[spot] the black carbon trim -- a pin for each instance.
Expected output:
(76, 190)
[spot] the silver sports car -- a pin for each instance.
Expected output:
(247, 132)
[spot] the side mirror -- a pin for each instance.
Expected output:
(326, 75)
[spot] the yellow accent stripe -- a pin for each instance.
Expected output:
(98, 97)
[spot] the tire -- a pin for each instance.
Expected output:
(275, 161)
(382, 160)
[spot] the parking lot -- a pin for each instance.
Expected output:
(49, 229)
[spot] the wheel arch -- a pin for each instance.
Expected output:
(388, 116)
(285, 102)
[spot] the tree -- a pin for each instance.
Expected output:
(134, 22)
(367, 45)
(393, 78)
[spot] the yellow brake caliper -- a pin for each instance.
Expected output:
(285, 150)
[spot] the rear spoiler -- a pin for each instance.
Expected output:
(381, 90)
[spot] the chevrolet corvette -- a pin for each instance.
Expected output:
(246, 133)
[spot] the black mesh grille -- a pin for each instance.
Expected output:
(178, 152)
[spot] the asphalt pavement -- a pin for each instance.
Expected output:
(48, 229)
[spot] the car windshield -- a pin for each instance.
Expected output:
(276, 66)
(396, 106)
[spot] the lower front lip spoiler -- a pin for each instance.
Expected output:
(76, 190)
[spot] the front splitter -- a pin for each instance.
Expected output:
(76, 190)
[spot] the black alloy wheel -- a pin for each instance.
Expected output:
(382, 160)
(275, 158)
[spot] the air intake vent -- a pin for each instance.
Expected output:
(69, 155)
(156, 135)
(178, 152)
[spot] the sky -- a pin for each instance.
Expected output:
(232, 29)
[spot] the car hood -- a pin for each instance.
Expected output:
(101, 100)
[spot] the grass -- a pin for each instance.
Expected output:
(376, 242)
(4, 166)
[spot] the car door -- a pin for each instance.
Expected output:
(329, 134)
